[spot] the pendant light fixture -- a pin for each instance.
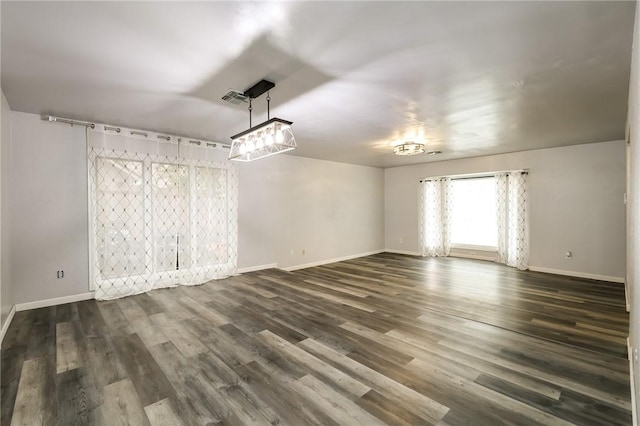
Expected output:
(271, 137)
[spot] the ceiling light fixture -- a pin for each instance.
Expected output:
(409, 148)
(274, 136)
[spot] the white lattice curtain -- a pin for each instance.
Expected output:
(161, 213)
(435, 216)
(513, 219)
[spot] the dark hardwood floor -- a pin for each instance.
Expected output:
(381, 339)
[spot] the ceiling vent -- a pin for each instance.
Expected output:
(235, 97)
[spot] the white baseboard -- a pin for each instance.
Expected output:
(7, 323)
(634, 411)
(473, 256)
(324, 262)
(410, 253)
(257, 268)
(577, 274)
(53, 302)
(465, 255)
(626, 294)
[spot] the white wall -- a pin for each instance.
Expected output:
(6, 293)
(576, 204)
(633, 234)
(48, 208)
(258, 224)
(330, 210)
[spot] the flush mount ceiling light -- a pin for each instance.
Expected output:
(274, 136)
(409, 148)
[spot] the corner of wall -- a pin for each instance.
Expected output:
(633, 215)
(6, 324)
(7, 302)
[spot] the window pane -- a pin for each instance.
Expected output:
(211, 216)
(171, 217)
(473, 212)
(119, 218)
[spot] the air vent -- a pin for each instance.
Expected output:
(235, 97)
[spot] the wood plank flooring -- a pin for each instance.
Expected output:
(383, 339)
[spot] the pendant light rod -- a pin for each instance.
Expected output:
(268, 102)
(250, 109)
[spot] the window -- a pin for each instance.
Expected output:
(158, 217)
(473, 213)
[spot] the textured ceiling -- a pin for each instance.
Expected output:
(470, 78)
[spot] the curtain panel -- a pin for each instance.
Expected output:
(435, 216)
(513, 219)
(501, 217)
(162, 212)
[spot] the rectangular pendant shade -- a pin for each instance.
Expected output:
(274, 136)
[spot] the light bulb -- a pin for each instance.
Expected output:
(268, 135)
(279, 137)
(259, 141)
(250, 146)
(243, 149)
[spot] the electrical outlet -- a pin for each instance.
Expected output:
(635, 355)
(401, 240)
(60, 274)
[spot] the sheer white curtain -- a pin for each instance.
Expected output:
(501, 216)
(435, 216)
(513, 219)
(161, 212)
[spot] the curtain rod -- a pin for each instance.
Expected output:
(52, 119)
(476, 176)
